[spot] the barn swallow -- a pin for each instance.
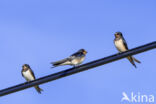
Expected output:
(73, 60)
(121, 46)
(28, 74)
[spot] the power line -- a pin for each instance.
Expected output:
(78, 69)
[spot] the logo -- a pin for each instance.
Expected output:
(137, 98)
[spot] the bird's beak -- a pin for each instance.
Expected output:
(117, 36)
(85, 52)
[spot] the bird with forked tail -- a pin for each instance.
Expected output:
(73, 60)
(121, 46)
(28, 74)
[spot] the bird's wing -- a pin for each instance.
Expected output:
(75, 54)
(70, 58)
(125, 43)
(32, 73)
(57, 63)
(22, 72)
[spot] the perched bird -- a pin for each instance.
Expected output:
(28, 74)
(121, 46)
(73, 60)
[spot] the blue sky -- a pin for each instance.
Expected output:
(38, 32)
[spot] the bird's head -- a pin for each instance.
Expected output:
(26, 66)
(83, 51)
(118, 34)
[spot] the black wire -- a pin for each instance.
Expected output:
(78, 69)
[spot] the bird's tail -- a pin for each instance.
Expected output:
(58, 63)
(136, 60)
(131, 61)
(38, 89)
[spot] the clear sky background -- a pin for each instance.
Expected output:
(38, 32)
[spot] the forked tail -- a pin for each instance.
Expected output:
(38, 89)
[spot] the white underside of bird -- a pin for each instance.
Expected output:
(120, 45)
(75, 61)
(27, 75)
(78, 61)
